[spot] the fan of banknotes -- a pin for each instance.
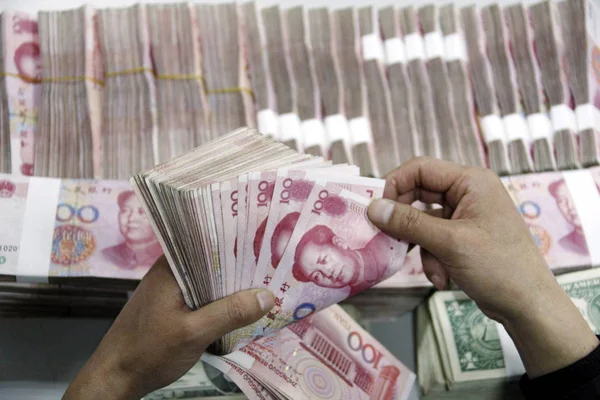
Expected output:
(245, 211)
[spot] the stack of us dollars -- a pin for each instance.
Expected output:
(460, 352)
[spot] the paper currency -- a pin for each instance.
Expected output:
(326, 355)
(92, 229)
(201, 381)
(547, 206)
(469, 349)
(21, 54)
(70, 117)
(318, 242)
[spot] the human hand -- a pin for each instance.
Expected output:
(156, 338)
(480, 241)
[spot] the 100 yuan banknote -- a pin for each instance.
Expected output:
(334, 252)
(23, 73)
(325, 356)
(549, 209)
(73, 228)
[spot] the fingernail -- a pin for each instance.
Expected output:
(438, 282)
(380, 211)
(265, 300)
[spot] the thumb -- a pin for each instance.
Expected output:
(411, 224)
(232, 312)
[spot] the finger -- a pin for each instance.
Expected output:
(422, 174)
(230, 313)
(159, 281)
(411, 224)
(434, 270)
(436, 212)
(423, 195)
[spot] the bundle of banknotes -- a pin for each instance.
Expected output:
(461, 353)
(245, 211)
(511, 87)
(326, 355)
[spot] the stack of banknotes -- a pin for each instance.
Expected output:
(461, 352)
(245, 211)
(326, 355)
(202, 381)
(508, 86)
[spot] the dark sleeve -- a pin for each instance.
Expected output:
(578, 381)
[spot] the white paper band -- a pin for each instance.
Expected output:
(512, 361)
(360, 130)
(454, 48)
(492, 128)
(586, 199)
(539, 126)
(337, 128)
(563, 118)
(587, 117)
(267, 121)
(289, 127)
(35, 248)
(394, 51)
(434, 45)
(515, 127)
(313, 133)
(415, 49)
(372, 48)
(15, 156)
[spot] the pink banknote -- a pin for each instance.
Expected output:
(229, 211)
(547, 206)
(13, 201)
(260, 194)
(242, 220)
(94, 69)
(23, 73)
(410, 275)
(248, 384)
(326, 356)
(219, 246)
(334, 252)
(291, 190)
(98, 228)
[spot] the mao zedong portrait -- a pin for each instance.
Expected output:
(140, 247)
(325, 259)
(575, 240)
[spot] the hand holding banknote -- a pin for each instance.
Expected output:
(156, 338)
(480, 241)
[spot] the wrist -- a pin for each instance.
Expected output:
(549, 331)
(102, 378)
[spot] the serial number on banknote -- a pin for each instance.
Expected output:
(9, 248)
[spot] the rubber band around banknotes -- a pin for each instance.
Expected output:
(130, 71)
(231, 90)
